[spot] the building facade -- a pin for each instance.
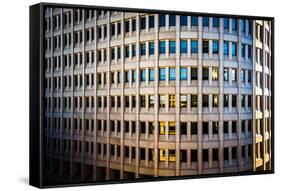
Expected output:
(135, 95)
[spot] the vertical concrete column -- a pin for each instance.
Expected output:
(199, 86)
(137, 150)
(221, 93)
(95, 99)
(156, 97)
(122, 99)
(177, 96)
(108, 79)
(253, 62)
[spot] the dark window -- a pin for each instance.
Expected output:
(205, 100)
(215, 155)
(215, 127)
(193, 100)
(205, 46)
(183, 126)
(234, 126)
(193, 155)
(151, 48)
(193, 126)
(226, 23)
(205, 155)
(193, 73)
(183, 20)
(215, 22)
(205, 21)
(162, 47)
(234, 24)
(172, 20)
(205, 75)
(162, 20)
(127, 26)
(194, 21)
(225, 127)
(205, 126)
(142, 23)
(151, 21)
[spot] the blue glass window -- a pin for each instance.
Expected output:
(226, 23)
(172, 20)
(243, 50)
(151, 48)
(194, 21)
(162, 47)
(172, 74)
(234, 49)
(151, 74)
(143, 75)
(183, 73)
(243, 28)
(225, 47)
(215, 22)
(234, 24)
(205, 21)
(183, 20)
(151, 21)
(215, 46)
(143, 49)
(172, 45)
(183, 46)
(194, 46)
(162, 74)
(162, 20)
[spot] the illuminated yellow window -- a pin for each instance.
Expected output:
(215, 100)
(172, 101)
(215, 74)
(162, 101)
(183, 101)
(162, 155)
(172, 155)
(172, 128)
(162, 128)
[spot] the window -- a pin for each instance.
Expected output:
(127, 104)
(243, 28)
(215, 154)
(225, 74)
(142, 49)
(234, 49)
(162, 20)
(151, 101)
(183, 73)
(172, 101)
(234, 97)
(234, 24)
(205, 75)
(215, 127)
(215, 47)
(172, 74)
(183, 20)
(127, 51)
(162, 101)
(243, 103)
(249, 52)
(127, 26)
(226, 23)
(205, 128)
(234, 76)
(183, 101)
(162, 74)
(134, 75)
(243, 76)
(151, 21)
(193, 155)
(205, 21)
(243, 50)
(127, 76)
(119, 28)
(133, 50)
(215, 22)
(249, 76)
(194, 21)
(143, 75)
(205, 155)
(172, 45)
(193, 73)
(215, 73)
(183, 46)
(225, 100)
(172, 20)
(193, 100)
(215, 100)
(225, 127)
(183, 128)
(225, 47)
(151, 48)
(205, 100)
(134, 24)
(193, 126)
(151, 74)
(205, 48)
(142, 23)
(162, 47)
(142, 101)
(194, 46)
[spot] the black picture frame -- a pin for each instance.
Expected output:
(36, 93)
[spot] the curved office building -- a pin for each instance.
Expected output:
(136, 95)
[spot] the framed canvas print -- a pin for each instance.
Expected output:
(128, 95)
